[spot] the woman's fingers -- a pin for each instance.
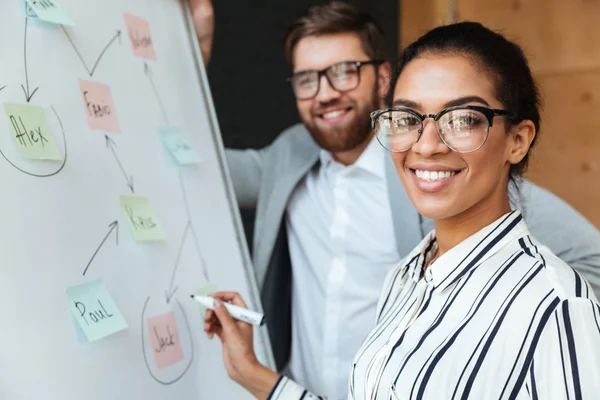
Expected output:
(230, 297)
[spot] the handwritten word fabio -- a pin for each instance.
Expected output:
(96, 110)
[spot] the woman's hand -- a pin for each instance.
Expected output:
(238, 347)
(204, 21)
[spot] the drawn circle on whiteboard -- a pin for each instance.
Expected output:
(144, 350)
(60, 168)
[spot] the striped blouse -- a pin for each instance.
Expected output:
(496, 317)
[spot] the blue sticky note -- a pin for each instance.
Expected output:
(28, 10)
(50, 11)
(95, 311)
(80, 335)
(176, 144)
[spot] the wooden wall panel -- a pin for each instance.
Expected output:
(418, 16)
(562, 41)
(557, 35)
(566, 159)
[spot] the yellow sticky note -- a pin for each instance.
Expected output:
(31, 132)
(142, 219)
(93, 308)
(50, 11)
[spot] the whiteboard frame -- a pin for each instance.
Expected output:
(229, 191)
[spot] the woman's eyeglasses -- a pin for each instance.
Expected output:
(463, 129)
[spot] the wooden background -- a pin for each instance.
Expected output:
(561, 39)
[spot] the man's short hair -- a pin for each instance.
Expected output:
(336, 17)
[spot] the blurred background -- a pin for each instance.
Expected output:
(560, 37)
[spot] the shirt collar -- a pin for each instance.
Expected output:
(468, 254)
(371, 160)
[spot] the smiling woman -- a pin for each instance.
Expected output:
(479, 309)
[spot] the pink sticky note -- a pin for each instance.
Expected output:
(164, 339)
(99, 106)
(140, 37)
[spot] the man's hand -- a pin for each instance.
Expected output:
(204, 21)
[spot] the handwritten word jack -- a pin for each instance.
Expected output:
(164, 338)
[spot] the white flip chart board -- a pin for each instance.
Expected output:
(116, 205)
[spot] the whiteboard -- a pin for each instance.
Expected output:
(62, 218)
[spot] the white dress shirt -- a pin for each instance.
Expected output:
(342, 245)
(496, 317)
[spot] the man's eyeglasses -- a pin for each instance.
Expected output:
(463, 129)
(343, 76)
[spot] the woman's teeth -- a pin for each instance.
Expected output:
(433, 175)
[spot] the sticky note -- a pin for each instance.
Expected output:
(205, 291)
(164, 339)
(99, 106)
(140, 37)
(178, 146)
(80, 335)
(94, 309)
(29, 11)
(31, 132)
(142, 219)
(50, 11)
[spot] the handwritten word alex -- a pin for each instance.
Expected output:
(27, 137)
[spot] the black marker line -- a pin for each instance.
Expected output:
(189, 216)
(2, 88)
(111, 144)
(113, 225)
(110, 43)
(171, 291)
(189, 330)
(148, 73)
(44, 175)
(28, 95)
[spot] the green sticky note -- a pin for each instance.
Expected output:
(205, 291)
(95, 311)
(179, 147)
(142, 219)
(50, 11)
(31, 132)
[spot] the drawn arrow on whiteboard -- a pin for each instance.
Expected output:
(148, 73)
(189, 216)
(110, 43)
(26, 91)
(129, 178)
(114, 226)
(172, 289)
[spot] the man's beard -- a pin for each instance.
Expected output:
(351, 134)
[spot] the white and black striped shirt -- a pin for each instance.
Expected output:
(496, 317)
